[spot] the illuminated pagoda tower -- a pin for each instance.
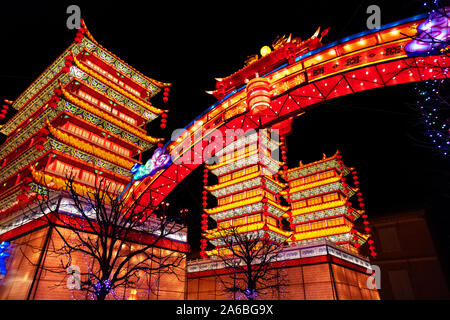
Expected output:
(247, 192)
(86, 110)
(320, 203)
(84, 116)
(322, 261)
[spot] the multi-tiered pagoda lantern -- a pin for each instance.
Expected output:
(84, 116)
(320, 203)
(247, 192)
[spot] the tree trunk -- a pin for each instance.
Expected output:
(101, 296)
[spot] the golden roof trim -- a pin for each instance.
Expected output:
(233, 205)
(90, 37)
(109, 118)
(94, 150)
(111, 84)
(45, 179)
(302, 166)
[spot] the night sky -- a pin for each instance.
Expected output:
(188, 44)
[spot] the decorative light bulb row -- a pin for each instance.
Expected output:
(204, 221)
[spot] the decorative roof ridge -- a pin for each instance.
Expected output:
(320, 206)
(19, 169)
(363, 236)
(330, 231)
(240, 157)
(125, 179)
(5, 214)
(90, 37)
(236, 204)
(104, 131)
(255, 226)
(279, 206)
(233, 181)
(40, 177)
(258, 61)
(39, 77)
(324, 159)
(279, 183)
(119, 103)
(111, 119)
(314, 184)
(10, 191)
(111, 84)
(232, 159)
(96, 151)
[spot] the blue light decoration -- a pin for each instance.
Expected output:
(433, 95)
(104, 286)
(432, 36)
(435, 113)
(160, 160)
(4, 253)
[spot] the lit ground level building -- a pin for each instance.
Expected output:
(409, 265)
(29, 274)
(84, 116)
(316, 271)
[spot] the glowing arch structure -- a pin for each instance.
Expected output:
(368, 60)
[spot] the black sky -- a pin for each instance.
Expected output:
(189, 44)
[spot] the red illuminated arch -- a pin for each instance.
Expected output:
(365, 61)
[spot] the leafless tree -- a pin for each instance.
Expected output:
(249, 257)
(119, 239)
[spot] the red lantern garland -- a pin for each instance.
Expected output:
(53, 102)
(163, 120)
(80, 35)
(283, 148)
(67, 64)
(264, 207)
(4, 111)
(364, 216)
(166, 94)
(204, 227)
(266, 233)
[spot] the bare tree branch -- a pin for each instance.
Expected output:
(120, 240)
(249, 258)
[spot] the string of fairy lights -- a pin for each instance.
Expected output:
(433, 106)
(434, 111)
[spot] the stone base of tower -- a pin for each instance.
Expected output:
(316, 271)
